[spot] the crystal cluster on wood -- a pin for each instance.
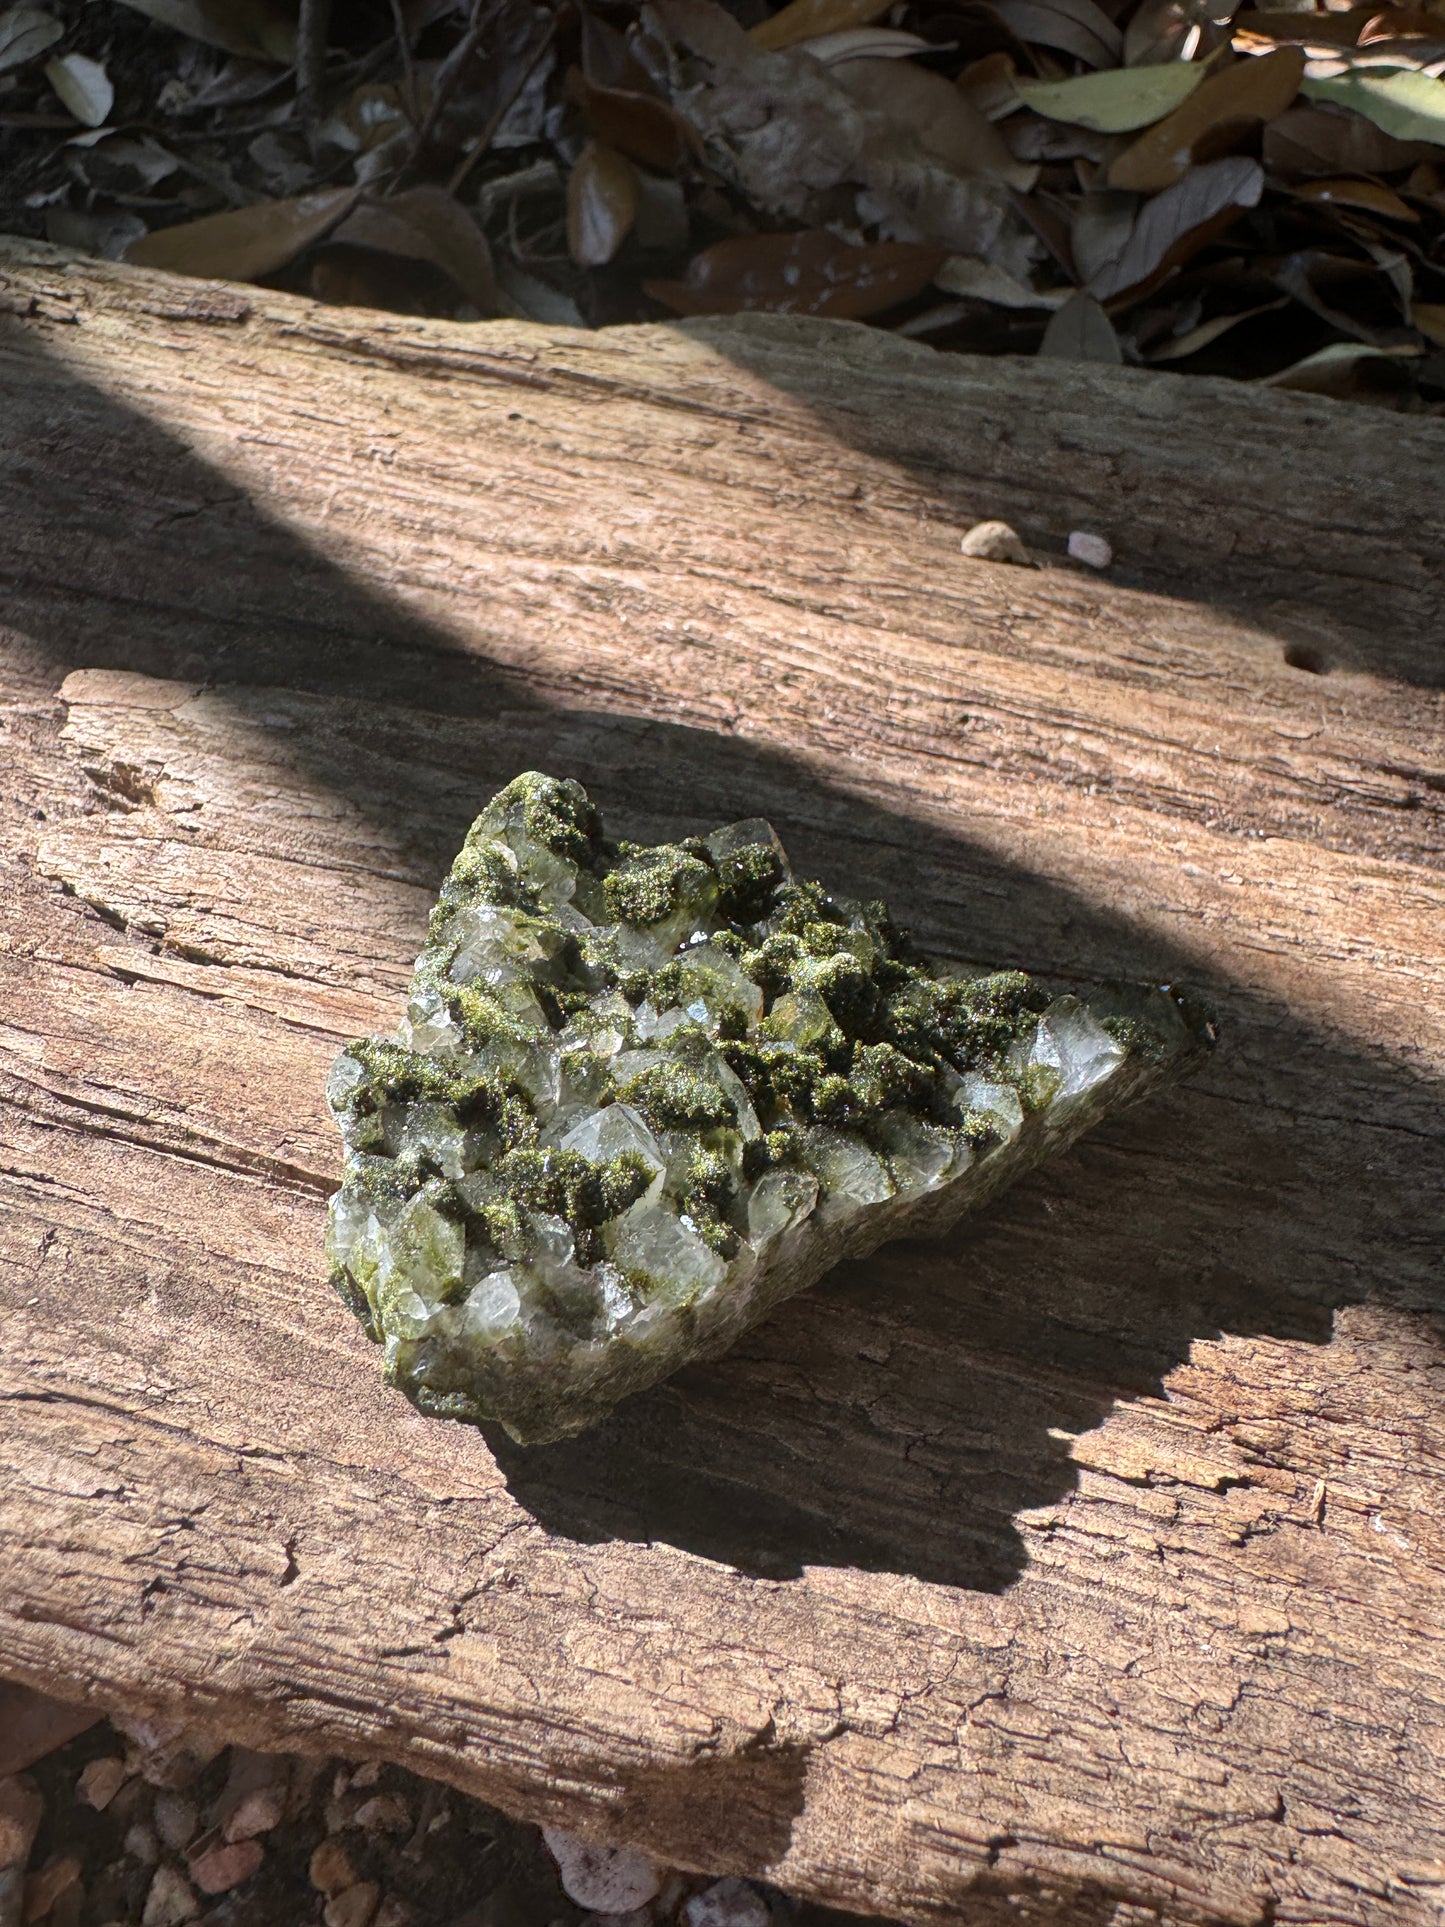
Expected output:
(642, 1095)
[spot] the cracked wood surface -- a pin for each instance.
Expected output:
(1086, 1568)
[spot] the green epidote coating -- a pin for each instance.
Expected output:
(642, 1094)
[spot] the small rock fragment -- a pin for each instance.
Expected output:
(995, 542)
(301, 1781)
(394, 1912)
(100, 1781)
(141, 1844)
(253, 1800)
(32, 1725)
(366, 1775)
(174, 1818)
(21, 1811)
(163, 1752)
(226, 1866)
(43, 1889)
(384, 1813)
(353, 1906)
(170, 1901)
(610, 1880)
(331, 1868)
(728, 1903)
(1092, 550)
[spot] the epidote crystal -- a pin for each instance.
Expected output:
(641, 1095)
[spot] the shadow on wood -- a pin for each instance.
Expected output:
(899, 1417)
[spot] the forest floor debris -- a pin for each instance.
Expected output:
(1211, 186)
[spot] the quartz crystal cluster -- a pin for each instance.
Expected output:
(641, 1095)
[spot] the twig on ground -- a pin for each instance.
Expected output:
(411, 104)
(311, 28)
(488, 134)
(447, 81)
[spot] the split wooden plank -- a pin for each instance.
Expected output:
(1087, 1567)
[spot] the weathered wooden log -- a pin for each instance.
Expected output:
(1088, 1567)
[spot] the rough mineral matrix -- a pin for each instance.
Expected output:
(640, 1096)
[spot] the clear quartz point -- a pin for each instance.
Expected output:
(639, 1097)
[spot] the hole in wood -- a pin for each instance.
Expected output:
(1300, 656)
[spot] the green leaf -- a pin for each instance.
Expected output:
(1400, 100)
(1114, 102)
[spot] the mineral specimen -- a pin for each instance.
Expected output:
(642, 1095)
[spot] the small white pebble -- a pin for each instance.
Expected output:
(384, 1813)
(353, 1906)
(995, 542)
(1092, 550)
(728, 1903)
(21, 1811)
(175, 1820)
(255, 1813)
(141, 1844)
(170, 1900)
(609, 1880)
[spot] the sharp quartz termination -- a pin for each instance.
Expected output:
(642, 1095)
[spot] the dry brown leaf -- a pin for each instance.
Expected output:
(1076, 27)
(1229, 103)
(1180, 221)
(990, 84)
(636, 124)
(787, 136)
(942, 119)
(980, 281)
(1373, 196)
(1308, 140)
(601, 204)
(1081, 331)
(1100, 229)
(806, 19)
(810, 273)
(1429, 318)
(254, 29)
(245, 242)
(662, 218)
(866, 43)
(1334, 370)
(1177, 347)
(1324, 283)
(427, 224)
(25, 33)
(607, 60)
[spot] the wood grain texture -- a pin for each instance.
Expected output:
(1088, 1567)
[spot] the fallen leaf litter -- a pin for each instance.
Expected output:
(1203, 185)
